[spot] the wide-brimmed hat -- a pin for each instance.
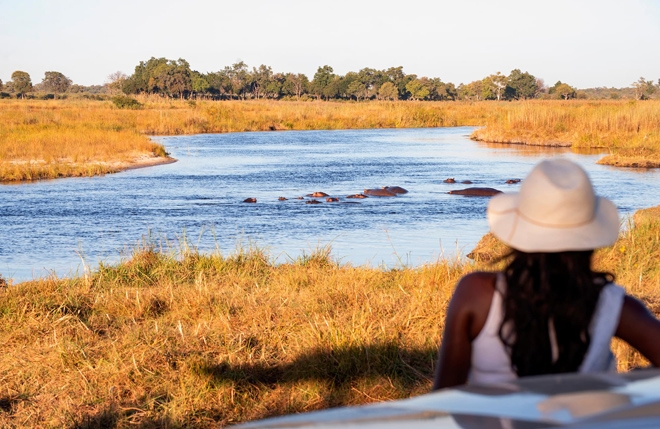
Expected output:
(556, 210)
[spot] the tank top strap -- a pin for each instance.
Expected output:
(495, 313)
(602, 328)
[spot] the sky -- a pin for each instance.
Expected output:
(586, 44)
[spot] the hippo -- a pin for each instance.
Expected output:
(510, 181)
(282, 199)
(476, 192)
(379, 193)
(396, 189)
(331, 200)
(317, 194)
(250, 200)
(466, 182)
(357, 196)
(449, 181)
(312, 202)
(300, 198)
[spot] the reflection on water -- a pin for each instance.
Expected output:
(46, 225)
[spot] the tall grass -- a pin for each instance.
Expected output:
(44, 139)
(183, 339)
(629, 129)
(41, 139)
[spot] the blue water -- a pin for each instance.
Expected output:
(49, 227)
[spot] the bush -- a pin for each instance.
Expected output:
(124, 102)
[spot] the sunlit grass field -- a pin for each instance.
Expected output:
(58, 138)
(174, 338)
(629, 129)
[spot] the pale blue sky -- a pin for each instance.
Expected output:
(583, 43)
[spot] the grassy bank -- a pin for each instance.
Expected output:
(57, 138)
(48, 139)
(188, 340)
(629, 129)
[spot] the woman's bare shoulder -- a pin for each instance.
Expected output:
(477, 282)
(475, 290)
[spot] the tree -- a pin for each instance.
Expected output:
(21, 82)
(219, 83)
(566, 91)
(521, 86)
(181, 78)
(417, 90)
(275, 86)
(356, 89)
(260, 78)
(471, 91)
(388, 91)
(323, 78)
(160, 75)
(141, 80)
(1, 85)
(332, 89)
(116, 81)
(296, 84)
(238, 79)
(199, 83)
(494, 86)
(55, 82)
(399, 79)
(644, 88)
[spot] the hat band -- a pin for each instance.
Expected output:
(553, 225)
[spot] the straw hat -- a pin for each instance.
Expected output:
(556, 210)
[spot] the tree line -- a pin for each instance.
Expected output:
(176, 79)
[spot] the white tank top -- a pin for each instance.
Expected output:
(491, 362)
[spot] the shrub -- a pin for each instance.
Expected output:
(124, 102)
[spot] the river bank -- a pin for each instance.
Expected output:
(629, 130)
(182, 338)
(39, 135)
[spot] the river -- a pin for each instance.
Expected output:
(50, 227)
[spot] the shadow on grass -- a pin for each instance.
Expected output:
(111, 417)
(404, 368)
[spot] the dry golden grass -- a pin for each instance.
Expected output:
(157, 341)
(188, 340)
(629, 129)
(55, 138)
(48, 139)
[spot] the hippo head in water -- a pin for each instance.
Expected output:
(476, 192)
(396, 189)
(379, 193)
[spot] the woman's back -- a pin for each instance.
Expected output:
(556, 315)
(491, 363)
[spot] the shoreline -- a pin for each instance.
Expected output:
(613, 160)
(64, 170)
(628, 131)
(146, 161)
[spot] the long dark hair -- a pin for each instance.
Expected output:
(544, 287)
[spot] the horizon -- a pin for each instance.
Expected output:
(606, 44)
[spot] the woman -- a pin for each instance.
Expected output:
(547, 312)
